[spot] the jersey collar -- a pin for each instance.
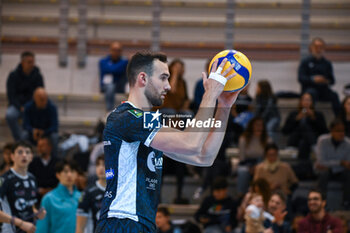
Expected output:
(99, 186)
(19, 175)
(128, 102)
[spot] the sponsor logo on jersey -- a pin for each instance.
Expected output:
(154, 163)
(107, 143)
(109, 174)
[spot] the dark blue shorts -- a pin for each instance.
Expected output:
(116, 225)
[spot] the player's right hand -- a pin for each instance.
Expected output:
(27, 227)
(217, 78)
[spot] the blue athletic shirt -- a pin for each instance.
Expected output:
(133, 168)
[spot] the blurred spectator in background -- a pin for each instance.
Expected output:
(217, 212)
(333, 159)
(304, 126)
(251, 151)
(315, 75)
(6, 162)
(199, 90)
(279, 174)
(260, 186)
(266, 107)
(113, 74)
(91, 198)
(18, 189)
(345, 115)
(43, 167)
(163, 222)
(21, 84)
(41, 119)
(62, 202)
(318, 220)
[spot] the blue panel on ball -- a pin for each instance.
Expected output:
(241, 70)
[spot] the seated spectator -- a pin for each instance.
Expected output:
(91, 198)
(251, 151)
(333, 159)
(266, 107)
(62, 202)
(255, 215)
(113, 74)
(43, 167)
(277, 207)
(260, 186)
(315, 75)
(279, 174)
(304, 126)
(318, 220)
(6, 162)
(199, 91)
(41, 119)
(20, 87)
(163, 222)
(345, 115)
(217, 212)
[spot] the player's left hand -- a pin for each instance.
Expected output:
(41, 213)
(227, 99)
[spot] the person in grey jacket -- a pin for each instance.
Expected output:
(333, 159)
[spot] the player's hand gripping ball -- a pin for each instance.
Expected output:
(242, 67)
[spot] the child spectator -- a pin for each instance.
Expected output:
(18, 190)
(6, 162)
(163, 222)
(345, 115)
(62, 202)
(217, 212)
(91, 199)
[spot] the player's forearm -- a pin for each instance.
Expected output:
(81, 223)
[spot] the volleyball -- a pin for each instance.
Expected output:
(242, 67)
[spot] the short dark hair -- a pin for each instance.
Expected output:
(99, 158)
(8, 146)
(281, 195)
(270, 146)
(27, 54)
(22, 144)
(317, 190)
(335, 123)
(65, 162)
(47, 139)
(142, 61)
(318, 39)
(219, 183)
(164, 210)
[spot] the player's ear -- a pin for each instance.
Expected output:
(142, 79)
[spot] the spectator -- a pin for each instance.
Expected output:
(163, 222)
(199, 90)
(345, 115)
(62, 202)
(91, 200)
(18, 191)
(277, 207)
(279, 174)
(41, 119)
(43, 167)
(315, 75)
(318, 220)
(251, 151)
(255, 215)
(260, 186)
(21, 84)
(113, 74)
(6, 157)
(304, 126)
(333, 159)
(217, 212)
(266, 107)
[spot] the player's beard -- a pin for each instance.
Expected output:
(152, 95)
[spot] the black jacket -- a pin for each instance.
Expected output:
(20, 87)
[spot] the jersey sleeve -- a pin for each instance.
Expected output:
(129, 126)
(84, 204)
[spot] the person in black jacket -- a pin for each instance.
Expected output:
(304, 126)
(21, 84)
(315, 75)
(217, 212)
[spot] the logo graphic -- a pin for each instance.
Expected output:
(151, 120)
(136, 113)
(153, 163)
(109, 174)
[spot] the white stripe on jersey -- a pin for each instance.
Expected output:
(124, 203)
(6, 227)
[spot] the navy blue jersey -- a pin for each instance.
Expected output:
(90, 202)
(18, 195)
(133, 168)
